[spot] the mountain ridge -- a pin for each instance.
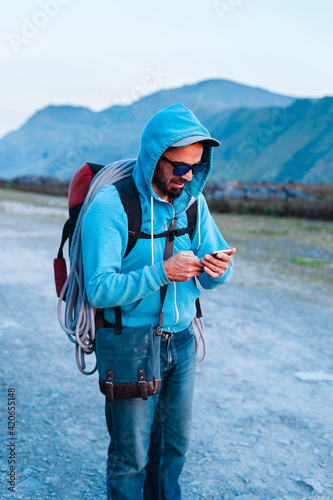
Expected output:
(57, 140)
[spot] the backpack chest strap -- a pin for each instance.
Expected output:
(170, 232)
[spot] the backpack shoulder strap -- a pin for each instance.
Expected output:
(129, 196)
(191, 214)
(64, 238)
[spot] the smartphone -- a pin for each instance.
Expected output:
(225, 250)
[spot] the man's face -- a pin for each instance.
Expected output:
(165, 184)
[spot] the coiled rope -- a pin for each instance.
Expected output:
(198, 325)
(79, 318)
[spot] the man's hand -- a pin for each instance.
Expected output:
(216, 267)
(182, 266)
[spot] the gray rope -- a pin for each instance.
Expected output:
(79, 317)
(198, 326)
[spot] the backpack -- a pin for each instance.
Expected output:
(82, 331)
(129, 196)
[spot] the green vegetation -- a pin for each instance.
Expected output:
(10, 194)
(272, 232)
(272, 246)
(312, 228)
(269, 247)
(298, 207)
(267, 232)
(301, 261)
(251, 227)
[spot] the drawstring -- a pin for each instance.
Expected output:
(152, 228)
(199, 222)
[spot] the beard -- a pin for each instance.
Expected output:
(160, 181)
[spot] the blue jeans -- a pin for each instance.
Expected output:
(150, 439)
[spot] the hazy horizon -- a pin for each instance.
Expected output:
(65, 52)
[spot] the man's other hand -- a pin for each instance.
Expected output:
(216, 267)
(182, 266)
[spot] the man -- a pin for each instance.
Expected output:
(150, 439)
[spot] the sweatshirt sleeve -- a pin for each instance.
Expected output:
(211, 240)
(104, 240)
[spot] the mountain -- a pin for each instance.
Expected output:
(277, 145)
(211, 96)
(264, 136)
(59, 139)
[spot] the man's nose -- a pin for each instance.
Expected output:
(188, 176)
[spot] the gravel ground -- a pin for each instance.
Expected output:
(263, 405)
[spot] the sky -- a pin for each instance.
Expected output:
(97, 54)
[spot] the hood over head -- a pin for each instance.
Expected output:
(167, 127)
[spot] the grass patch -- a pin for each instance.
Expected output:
(320, 208)
(266, 232)
(8, 194)
(272, 232)
(310, 228)
(242, 230)
(315, 263)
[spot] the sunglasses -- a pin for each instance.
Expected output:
(180, 169)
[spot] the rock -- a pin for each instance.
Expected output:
(284, 442)
(54, 480)
(29, 482)
(27, 472)
(314, 376)
(312, 485)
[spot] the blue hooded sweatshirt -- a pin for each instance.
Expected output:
(134, 282)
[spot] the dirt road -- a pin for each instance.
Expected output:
(263, 406)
